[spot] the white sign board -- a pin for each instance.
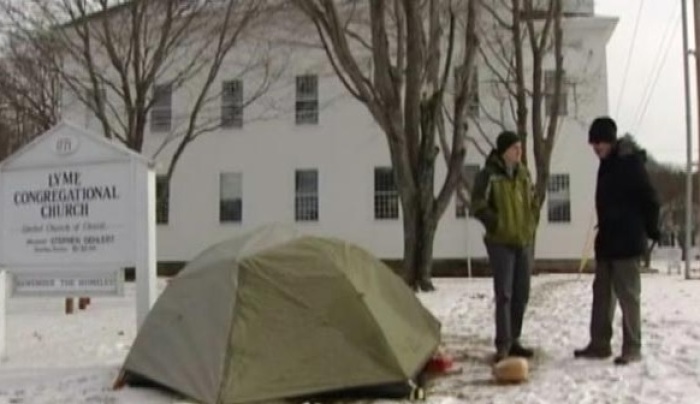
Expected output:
(71, 283)
(68, 216)
(75, 210)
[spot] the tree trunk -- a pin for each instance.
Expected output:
(419, 233)
(521, 99)
(138, 130)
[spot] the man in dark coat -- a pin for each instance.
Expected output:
(502, 199)
(628, 214)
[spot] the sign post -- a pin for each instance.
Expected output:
(76, 209)
(3, 314)
(145, 245)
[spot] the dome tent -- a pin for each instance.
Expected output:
(272, 315)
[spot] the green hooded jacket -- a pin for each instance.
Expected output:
(505, 203)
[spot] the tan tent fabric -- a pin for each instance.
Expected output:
(256, 319)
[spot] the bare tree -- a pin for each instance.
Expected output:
(29, 96)
(669, 182)
(120, 58)
(413, 49)
(522, 35)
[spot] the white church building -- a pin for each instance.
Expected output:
(322, 164)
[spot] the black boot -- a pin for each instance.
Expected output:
(592, 352)
(518, 350)
(627, 358)
(426, 285)
(499, 356)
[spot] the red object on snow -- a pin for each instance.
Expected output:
(439, 363)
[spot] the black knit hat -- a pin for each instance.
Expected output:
(505, 140)
(602, 130)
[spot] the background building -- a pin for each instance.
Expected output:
(309, 154)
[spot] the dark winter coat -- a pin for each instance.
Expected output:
(505, 203)
(626, 204)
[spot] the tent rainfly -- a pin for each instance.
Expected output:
(273, 315)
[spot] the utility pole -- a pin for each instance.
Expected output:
(689, 131)
(696, 25)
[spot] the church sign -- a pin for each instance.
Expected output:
(77, 208)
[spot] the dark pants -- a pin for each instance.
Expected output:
(511, 284)
(617, 279)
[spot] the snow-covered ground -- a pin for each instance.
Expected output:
(54, 358)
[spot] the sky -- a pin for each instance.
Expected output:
(647, 95)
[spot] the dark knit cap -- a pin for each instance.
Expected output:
(602, 130)
(505, 140)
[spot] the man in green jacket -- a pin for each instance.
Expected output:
(503, 200)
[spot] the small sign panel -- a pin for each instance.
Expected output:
(72, 283)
